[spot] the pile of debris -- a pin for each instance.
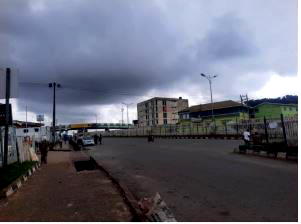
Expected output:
(156, 210)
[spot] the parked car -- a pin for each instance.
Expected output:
(88, 140)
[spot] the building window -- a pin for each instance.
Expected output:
(165, 121)
(164, 102)
(36, 130)
(165, 115)
(157, 122)
(290, 108)
(284, 108)
(25, 130)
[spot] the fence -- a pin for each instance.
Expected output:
(19, 147)
(12, 154)
(272, 130)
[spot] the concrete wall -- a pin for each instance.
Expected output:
(274, 111)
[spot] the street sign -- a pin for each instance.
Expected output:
(13, 84)
(2, 115)
(40, 117)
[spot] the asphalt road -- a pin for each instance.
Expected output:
(203, 180)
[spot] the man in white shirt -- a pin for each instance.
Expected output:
(247, 136)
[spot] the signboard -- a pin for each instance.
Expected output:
(2, 115)
(13, 84)
(40, 117)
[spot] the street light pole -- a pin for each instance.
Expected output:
(122, 115)
(7, 113)
(53, 85)
(209, 78)
(127, 111)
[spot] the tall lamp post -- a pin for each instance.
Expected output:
(53, 85)
(127, 110)
(122, 109)
(209, 78)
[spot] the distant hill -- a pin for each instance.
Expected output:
(288, 99)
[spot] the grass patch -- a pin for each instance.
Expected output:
(13, 171)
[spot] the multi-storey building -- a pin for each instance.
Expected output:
(160, 111)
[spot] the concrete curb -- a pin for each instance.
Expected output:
(126, 194)
(17, 184)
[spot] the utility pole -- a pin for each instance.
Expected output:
(26, 117)
(7, 114)
(209, 78)
(53, 85)
(245, 101)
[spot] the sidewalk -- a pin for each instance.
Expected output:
(58, 193)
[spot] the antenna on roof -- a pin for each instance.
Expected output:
(244, 99)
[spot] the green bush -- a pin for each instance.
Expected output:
(13, 171)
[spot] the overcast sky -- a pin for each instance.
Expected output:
(105, 52)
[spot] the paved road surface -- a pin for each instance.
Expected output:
(203, 180)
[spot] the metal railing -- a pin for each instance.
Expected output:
(272, 130)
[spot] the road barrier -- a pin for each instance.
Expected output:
(271, 148)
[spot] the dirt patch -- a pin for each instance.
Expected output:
(84, 165)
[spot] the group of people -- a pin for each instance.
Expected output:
(97, 139)
(256, 137)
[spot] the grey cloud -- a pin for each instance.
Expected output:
(229, 38)
(106, 52)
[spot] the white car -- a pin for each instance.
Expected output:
(87, 140)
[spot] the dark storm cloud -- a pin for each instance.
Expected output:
(107, 52)
(227, 39)
(107, 47)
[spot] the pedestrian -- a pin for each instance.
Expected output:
(257, 138)
(61, 143)
(44, 150)
(150, 138)
(100, 139)
(65, 138)
(95, 139)
(246, 136)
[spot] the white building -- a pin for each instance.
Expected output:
(35, 133)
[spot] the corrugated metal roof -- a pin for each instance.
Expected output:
(216, 105)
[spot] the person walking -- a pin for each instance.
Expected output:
(95, 139)
(100, 139)
(246, 136)
(44, 150)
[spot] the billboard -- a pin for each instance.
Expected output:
(2, 115)
(40, 117)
